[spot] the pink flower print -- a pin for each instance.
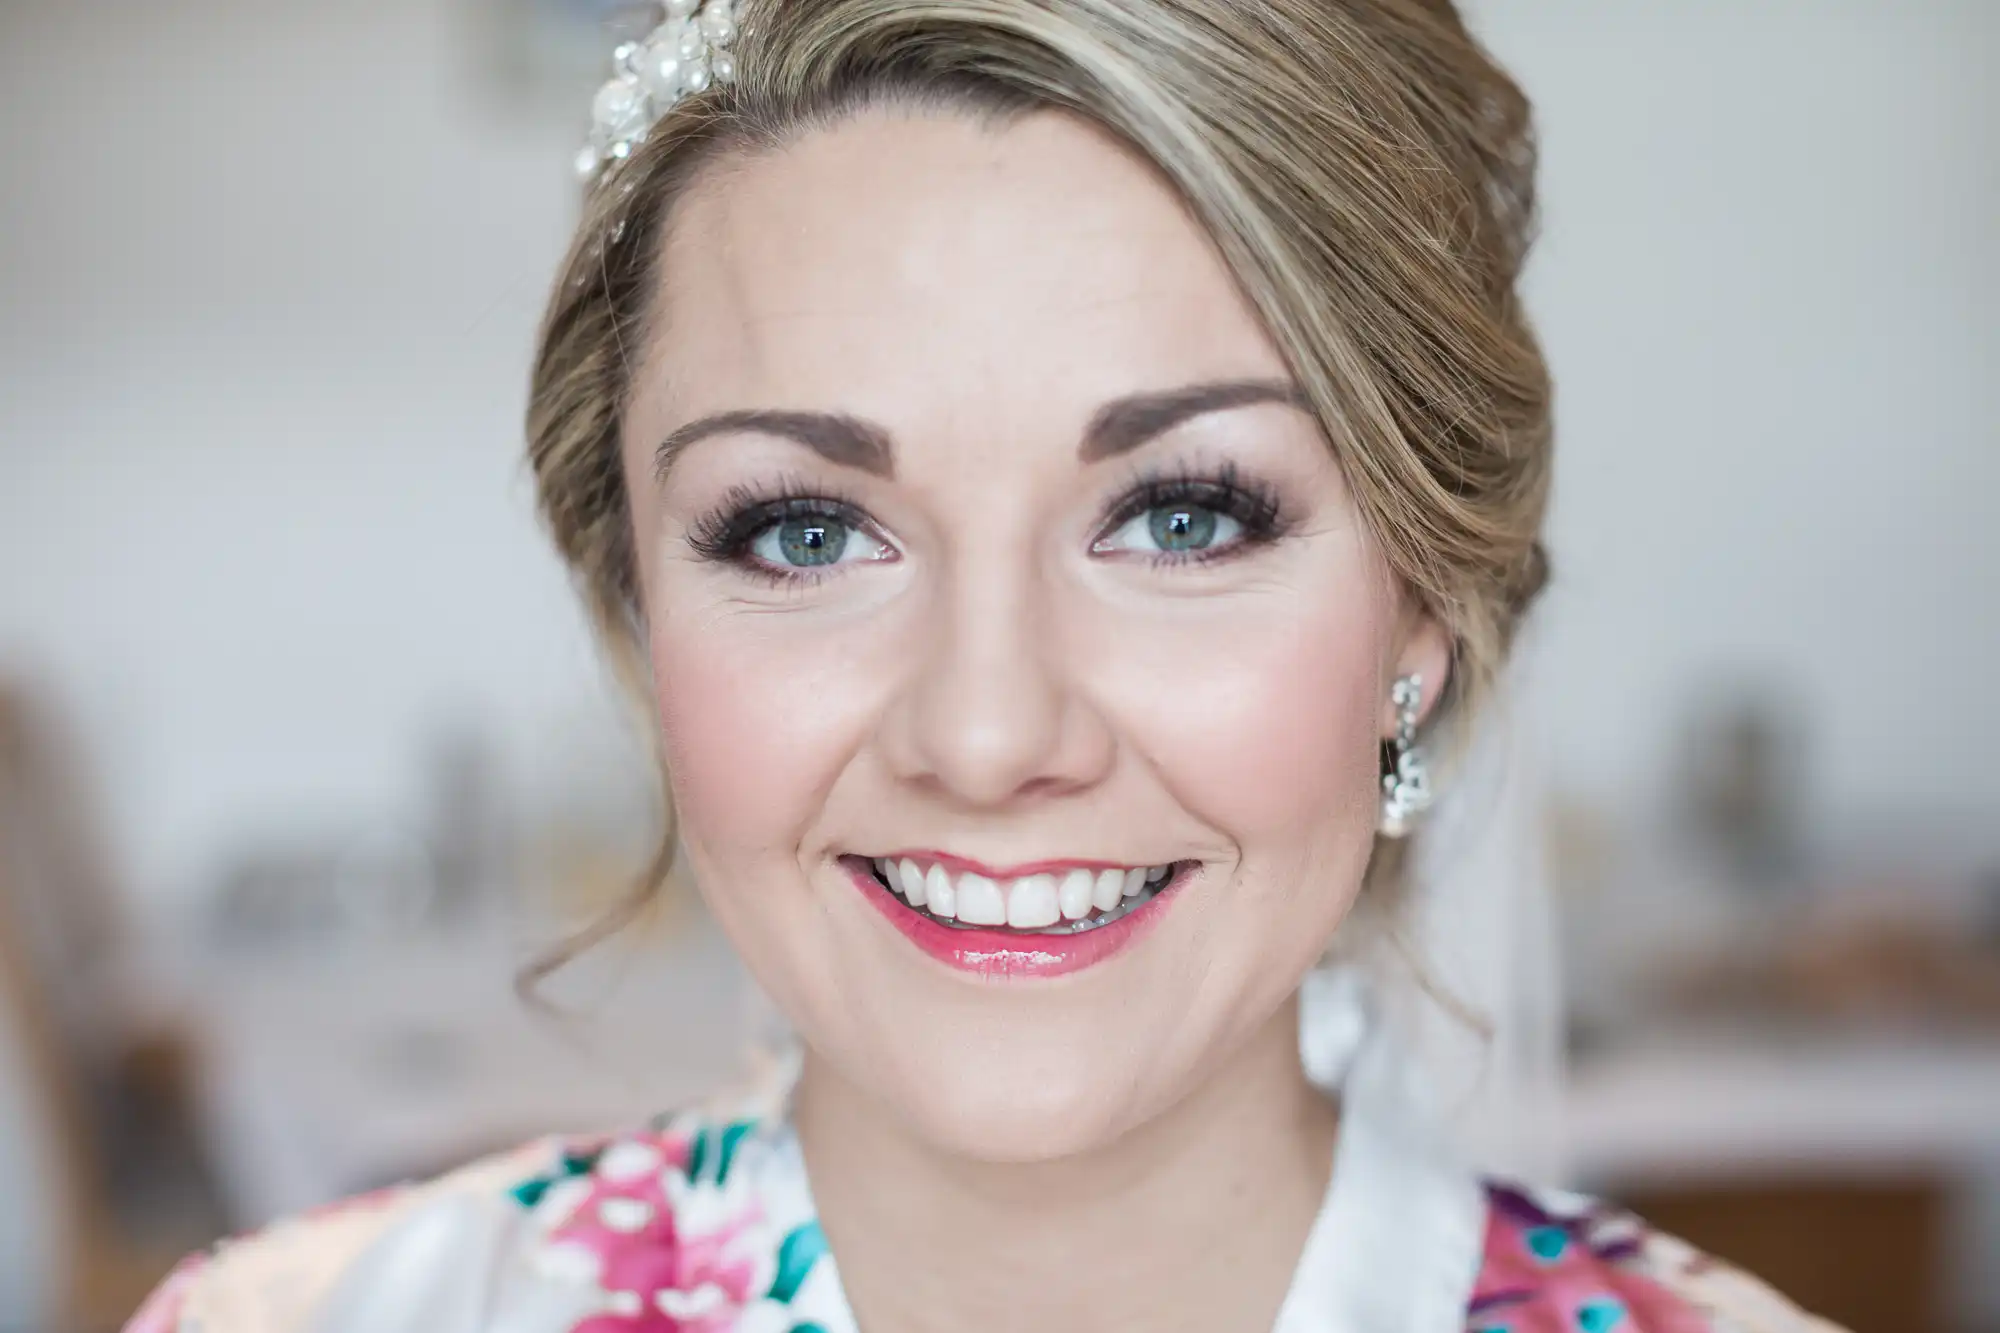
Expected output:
(1545, 1273)
(660, 1274)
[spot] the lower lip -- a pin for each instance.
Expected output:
(1001, 954)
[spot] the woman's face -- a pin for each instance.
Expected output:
(989, 560)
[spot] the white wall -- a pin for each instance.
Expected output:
(1770, 288)
(269, 276)
(267, 293)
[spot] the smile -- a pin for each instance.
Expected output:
(1066, 902)
(1041, 920)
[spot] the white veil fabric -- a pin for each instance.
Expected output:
(1462, 1024)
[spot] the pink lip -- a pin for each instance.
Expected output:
(998, 954)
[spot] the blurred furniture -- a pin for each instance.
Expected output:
(130, 1192)
(340, 1063)
(1790, 1052)
(1831, 1165)
(1870, 1255)
(34, 1221)
(1720, 1103)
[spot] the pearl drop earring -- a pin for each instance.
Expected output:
(1406, 782)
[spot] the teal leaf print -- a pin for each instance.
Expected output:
(730, 1138)
(697, 1156)
(1600, 1316)
(796, 1256)
(1548, 1243)
(571, 1163)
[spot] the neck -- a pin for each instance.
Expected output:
(1194, 1220)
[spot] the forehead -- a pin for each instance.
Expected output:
(901, 262)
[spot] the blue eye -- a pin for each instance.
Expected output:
(797, 536)
(1184, 527)
(1193, 517)
(1172, 529)
(802, 543)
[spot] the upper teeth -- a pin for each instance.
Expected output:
(1028, 903)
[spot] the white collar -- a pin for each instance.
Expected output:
(1399, 1238)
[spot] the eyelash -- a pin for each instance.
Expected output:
(726, 533)
(1253, 504)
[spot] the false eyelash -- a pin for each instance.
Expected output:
(724, 534)
(1253, 504)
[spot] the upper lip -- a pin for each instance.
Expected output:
(963, 865)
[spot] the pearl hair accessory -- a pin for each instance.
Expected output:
(1406, 788)
(687, 52)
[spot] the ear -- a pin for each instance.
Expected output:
(1424, 650)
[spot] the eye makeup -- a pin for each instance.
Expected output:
(1194, 496)
(729, 533)
(1251, 505)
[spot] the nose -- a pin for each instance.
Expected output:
(991, 712)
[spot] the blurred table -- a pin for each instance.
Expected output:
(339, 1066)
(1679, 1105)
(1858, 1172)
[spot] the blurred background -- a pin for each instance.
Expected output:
(304, 749)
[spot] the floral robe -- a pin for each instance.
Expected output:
(703, 1223)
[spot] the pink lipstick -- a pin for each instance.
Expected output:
(999, 952)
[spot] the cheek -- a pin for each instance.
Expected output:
(1267, 732)
(757, 721)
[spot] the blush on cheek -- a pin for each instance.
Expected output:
(1274, 742)
(719, 743)
(753, 733)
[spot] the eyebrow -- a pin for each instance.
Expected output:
(848, 441)
(1117, 428)
(1122, 426)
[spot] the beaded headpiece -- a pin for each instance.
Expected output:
(684, 54)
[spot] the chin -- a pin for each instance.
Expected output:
(1005, 1101)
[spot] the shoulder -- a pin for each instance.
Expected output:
(692, 1209)
(1560, 1261)
(271, 1279)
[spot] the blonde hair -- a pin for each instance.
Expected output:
(1364, 168)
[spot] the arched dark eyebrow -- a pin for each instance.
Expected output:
(848, 441)
(1118, 427)
(1122, 426)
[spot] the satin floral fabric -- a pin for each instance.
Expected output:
(653, 1224)
(705, 1226)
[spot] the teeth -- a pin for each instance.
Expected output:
(911, 877)
(943, 897)
(1074, 895)
(1080, 900)
(1031, 903)
(980, 902)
